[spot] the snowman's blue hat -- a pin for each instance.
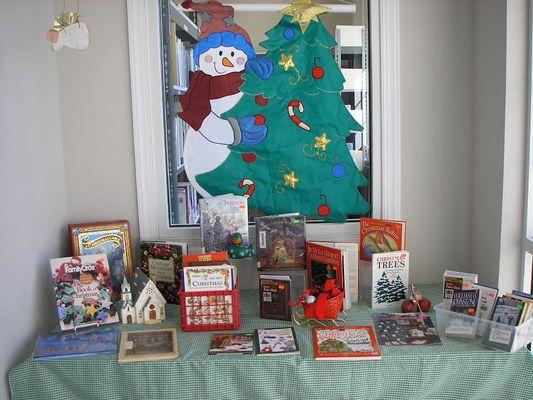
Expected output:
(224, 39)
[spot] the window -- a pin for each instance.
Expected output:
(162, 183)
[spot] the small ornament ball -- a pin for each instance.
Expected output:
(338, 171)
(310, 299)
(289, 33)
(260, 100)
(249, 157)
(324, 210)
(318, 72)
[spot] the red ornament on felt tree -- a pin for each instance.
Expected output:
(249, 157)
(324, 209)
(261, 100)
(318, 72)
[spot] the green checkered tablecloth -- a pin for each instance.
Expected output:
(453, 370)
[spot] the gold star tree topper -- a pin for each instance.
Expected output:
(291, 179)
(322, 141)
(304, 11)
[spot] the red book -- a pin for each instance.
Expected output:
(380, 236)
(215, 258)
(323, 263)
(345, 343)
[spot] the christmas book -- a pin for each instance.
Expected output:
(220, 218)
(390, 279)
(161, 262)
(398, 329)
(280, 241)
(507, 312)
(380, 236)
(455, 280)
(323, 263)
(274, 297)
(74, 344)
(148, 345)
(350, 268)
(83, 292)
(276, 341)
(232, 343)
(199, 278)
(345, 343)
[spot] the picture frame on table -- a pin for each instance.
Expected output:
(107, 237)
(148, 345)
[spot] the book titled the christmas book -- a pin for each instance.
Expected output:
(73, 344)
(345, 343)
(161, 261)
(276, 341)
(280, 241)
(83, 292)
(380, 236)
(232, 343)
(390, 278)
(221, 217)
(274, 297)
(397, 329)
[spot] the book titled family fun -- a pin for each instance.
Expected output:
(390, 278)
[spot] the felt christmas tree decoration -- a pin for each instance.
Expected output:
(293, 155)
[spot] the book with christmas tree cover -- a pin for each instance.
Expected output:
(276, 341)
(161, 262)
(280, 241)
(221, 217)
(390, 279)
(72, 344)
(345, 343)
(507, 311)
(83, 292)
(395, 329)
(232, 343)
(380, 236)
(324, 263)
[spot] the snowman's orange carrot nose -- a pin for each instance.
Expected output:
(226, 62)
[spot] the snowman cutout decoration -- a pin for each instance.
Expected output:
(223, 53)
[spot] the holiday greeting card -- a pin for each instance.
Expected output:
(390, 278)
(83, 291)
(221, 217)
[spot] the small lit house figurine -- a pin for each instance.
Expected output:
(144, 303)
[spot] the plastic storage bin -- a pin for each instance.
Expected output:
(488, 333)
(210, 310)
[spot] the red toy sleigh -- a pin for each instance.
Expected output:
(327, 306)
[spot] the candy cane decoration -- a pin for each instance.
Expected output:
(294, 118)
(251, 187)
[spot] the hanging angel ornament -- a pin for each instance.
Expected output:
(68, 31)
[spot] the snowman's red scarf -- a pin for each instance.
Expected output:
(202, 88)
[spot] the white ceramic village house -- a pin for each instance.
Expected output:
(142, 302)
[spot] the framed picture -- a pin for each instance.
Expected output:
(146, 345)
(111, 238)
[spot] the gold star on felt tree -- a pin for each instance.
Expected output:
(291, 179)
(304, 11)
(322, 141)
(286, 61)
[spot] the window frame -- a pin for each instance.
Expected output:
(149, 129)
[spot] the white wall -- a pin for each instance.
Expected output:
(436, 107)
(96, 122)
(33, 207)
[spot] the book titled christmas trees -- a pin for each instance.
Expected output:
(390, 278)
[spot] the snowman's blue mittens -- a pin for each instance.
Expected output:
(262, 66)
(253, 129)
